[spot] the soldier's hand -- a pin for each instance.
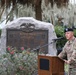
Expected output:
(67, 61)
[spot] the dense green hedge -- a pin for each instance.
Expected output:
(60, 33)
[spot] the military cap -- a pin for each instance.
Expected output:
(68, 29)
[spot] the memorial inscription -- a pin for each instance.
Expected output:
(17, 38)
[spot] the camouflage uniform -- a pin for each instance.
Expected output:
(69, 50)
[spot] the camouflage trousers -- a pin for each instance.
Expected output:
(72, 71)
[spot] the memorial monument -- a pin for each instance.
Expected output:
(30, 33)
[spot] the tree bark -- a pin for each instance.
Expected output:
(38, 11)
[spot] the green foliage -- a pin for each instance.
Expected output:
(12, 63)
(66, 66)
(60, 33)
(75, 32)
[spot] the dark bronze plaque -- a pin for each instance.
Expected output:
(17, 38)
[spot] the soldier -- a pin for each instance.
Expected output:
(69, 50)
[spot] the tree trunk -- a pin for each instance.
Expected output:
(38, 11)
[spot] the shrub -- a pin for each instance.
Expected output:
(16, 63)
(60, 33)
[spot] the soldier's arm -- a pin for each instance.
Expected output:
(62, 54)
(73, 57)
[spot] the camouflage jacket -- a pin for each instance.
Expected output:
(69, 50)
